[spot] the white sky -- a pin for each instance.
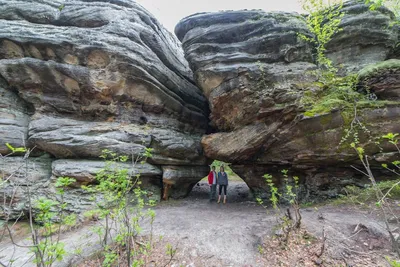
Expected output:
(169, 12)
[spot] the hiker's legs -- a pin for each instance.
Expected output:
(219, 195)
(213, 189)
(225, 193)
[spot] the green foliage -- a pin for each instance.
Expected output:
(392, 5)
(335, 92)
(113, 183)
(16, 149)
(288, 223)
(50, 218)
(52, 252)
(374, 4)
(78, 251)
(392, 138)
(323, 22)
(170, 250)
(386, 190)
(110, 257)
(260, 249)
(362, 196)
(338, 93)
(121, 201)
(45, 207)
(290, 195)
(47, 249)
(376, 69)
(63, 182)
(273, 189)
(393, 262)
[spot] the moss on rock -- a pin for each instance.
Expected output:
(376, 69)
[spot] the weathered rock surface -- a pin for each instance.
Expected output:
(100, 69)
(81, 76)
(382, 79)
(182, 179)
(366, 37)
(250, 78)
(84, 172)
(14, 119)
(18, 176)
(255, 69)
(71, 138)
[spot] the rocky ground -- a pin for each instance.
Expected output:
(234, 234)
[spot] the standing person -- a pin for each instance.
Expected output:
(222, 182)
(212, 181)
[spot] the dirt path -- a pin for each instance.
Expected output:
(222, 233)
(211, 234)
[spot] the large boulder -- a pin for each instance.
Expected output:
(253, 80)
(78, 77)
(67, 63)
(257, 72)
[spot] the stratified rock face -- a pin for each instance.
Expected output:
(382, 79)
(78, 77)
(21, 179)
(366, 37)
(181, 180)
(14, 119)
(254, 68)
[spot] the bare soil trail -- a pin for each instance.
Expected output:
(211, 234)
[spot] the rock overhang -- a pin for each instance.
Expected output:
(255, 93)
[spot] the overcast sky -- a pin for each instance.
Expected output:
(169, 12)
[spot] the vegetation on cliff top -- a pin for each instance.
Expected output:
(334, 91)
(375, 69)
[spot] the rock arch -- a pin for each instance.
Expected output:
(255, 71)
(96, 82)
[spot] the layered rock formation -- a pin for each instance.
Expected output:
(366, 37)
(82, 76)
(382, 79)
(78, 77)
(255, 71)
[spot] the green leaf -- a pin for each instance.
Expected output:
(16, 149)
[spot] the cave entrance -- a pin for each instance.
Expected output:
(237, 190)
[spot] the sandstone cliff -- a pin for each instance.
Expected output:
(256, 72)
(78, 77)
(83, 76)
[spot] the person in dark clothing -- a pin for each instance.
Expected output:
(222, 182)
(212, 182)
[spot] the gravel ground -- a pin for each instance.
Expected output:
(211, 234)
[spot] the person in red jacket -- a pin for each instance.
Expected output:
(212, 181)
